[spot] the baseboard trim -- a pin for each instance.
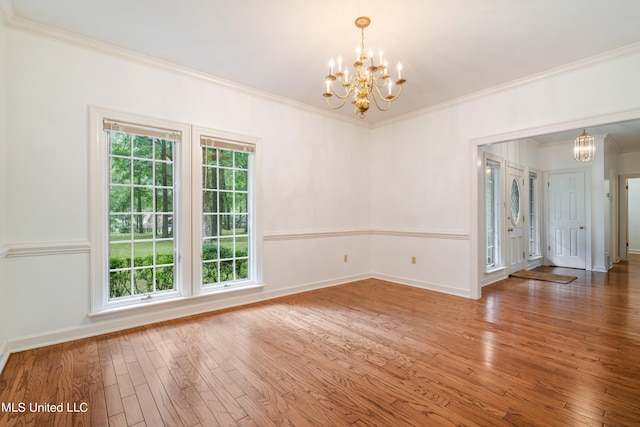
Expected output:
(430, 286)
(209, 305)
(4, 356)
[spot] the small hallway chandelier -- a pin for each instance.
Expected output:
(369, 81)
(584, 147)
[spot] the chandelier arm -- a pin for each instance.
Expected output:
(344, 101)
(375, 101)
(349, 88)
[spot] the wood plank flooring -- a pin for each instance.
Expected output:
(529, 353)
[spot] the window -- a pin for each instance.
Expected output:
(141, 210)
(492, 212)
(227, 212)
(171, 217)
(534, 231)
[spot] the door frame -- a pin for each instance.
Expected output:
(476, 143)
(623, 223)
(587, 207)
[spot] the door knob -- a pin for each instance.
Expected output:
(582, 227)
(509, 229)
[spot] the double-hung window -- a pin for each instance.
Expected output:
(226, 225)
(171, 216)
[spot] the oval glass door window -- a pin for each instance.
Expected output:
(515, 201)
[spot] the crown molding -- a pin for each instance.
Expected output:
(630, 49)
(28, 26)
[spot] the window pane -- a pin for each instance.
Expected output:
(210, 273)
(226, 202)
(119, 284)
(164, 174)
(120, 255)
(143, 254)
(241, 181)
(226, 225)
(225, 179)
(241, 160)
(164, 252)
(142, 226)
(241, 202)
(226, 271)
(209, 178)
(142, 199)
(120, 170)
(120, 199)
(164, 200)
(120, 227)
(164, 149)
(242, 269)
(142, 172)
(164, 278)
(225, 157)
(210, 201)
(120, 144)
(210, 156)
(164, 226)
(210, 250)
(143, 281)
(142, 147)
(210, 226)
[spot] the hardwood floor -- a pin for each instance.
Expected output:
(367, 353)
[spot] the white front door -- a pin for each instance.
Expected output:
(567, 231)
(515, 204)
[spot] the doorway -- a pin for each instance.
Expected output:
(629, 237)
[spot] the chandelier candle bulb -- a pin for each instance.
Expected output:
(331, 66)
(339, 64)
(399, 71)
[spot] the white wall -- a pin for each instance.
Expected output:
(634, 215)
(427, 159)
(315, 182)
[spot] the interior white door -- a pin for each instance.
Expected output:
(515, 198)
(567, 231)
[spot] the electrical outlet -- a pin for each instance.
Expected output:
(346, 258)
(413, 260)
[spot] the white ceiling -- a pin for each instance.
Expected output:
(448, 48)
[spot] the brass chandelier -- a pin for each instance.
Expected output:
(367, 81)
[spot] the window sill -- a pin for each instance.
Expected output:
(495, 269)
(168, 303)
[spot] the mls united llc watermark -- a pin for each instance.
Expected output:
(26, 407)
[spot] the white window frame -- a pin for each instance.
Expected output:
(99, 210)
(187, 213)
(497, 164)
(254, 205)
(534, 215)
